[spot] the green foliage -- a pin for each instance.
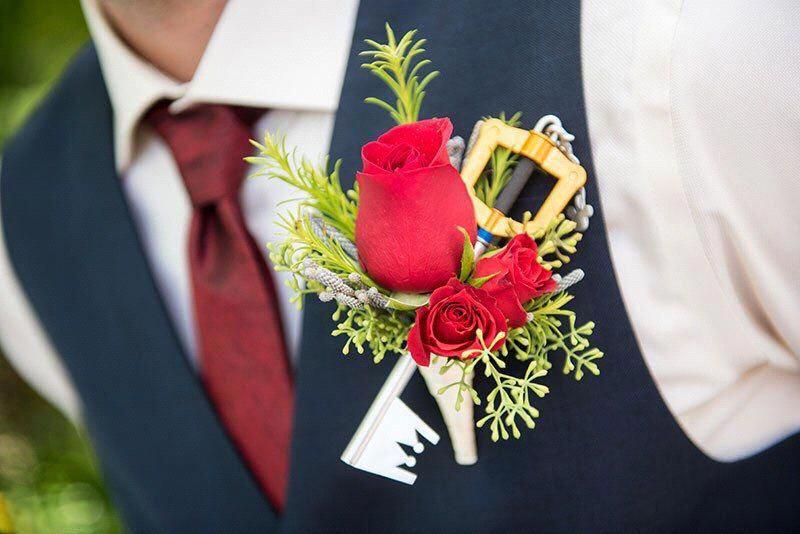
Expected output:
(557, 242)
(509, 403)
(462, 385)
(382, 331)
(510, 399)
(302, 242)
(397, 64)
(479, 281)
(323, 189)
(553, 329)
(550, 330)
(467, 257)
(501, 167)
(407, 301)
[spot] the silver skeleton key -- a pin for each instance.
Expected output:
(375, 447)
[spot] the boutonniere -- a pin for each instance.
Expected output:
(421, 264)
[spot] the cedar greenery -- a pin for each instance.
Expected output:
(397, 64)
(323, 189)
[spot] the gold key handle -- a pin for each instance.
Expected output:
(535, 146)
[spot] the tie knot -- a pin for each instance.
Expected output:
(208, 143)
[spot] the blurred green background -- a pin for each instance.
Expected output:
(48, 475)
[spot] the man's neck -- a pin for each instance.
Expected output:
(170, 34)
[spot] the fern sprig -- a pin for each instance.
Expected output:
(397, 64)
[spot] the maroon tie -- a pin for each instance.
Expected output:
(240, 339)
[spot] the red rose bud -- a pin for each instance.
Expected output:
(518, 277)
(448, 325)
(411, 203)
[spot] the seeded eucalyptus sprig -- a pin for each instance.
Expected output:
(398, 65)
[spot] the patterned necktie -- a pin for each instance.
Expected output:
(241, 345)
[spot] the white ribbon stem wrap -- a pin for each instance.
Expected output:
(460, 424)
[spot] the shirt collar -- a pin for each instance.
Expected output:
(269, 54)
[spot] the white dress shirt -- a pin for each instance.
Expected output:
(693, 134)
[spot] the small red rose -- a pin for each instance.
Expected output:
(517, 277)
(448, 325)
(411, 204)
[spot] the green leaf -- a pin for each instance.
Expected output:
(493, 252)
(467, 257)
(408, 301)
(478, 282)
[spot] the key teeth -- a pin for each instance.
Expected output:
(414, 425)
(383, 454)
